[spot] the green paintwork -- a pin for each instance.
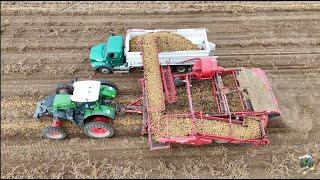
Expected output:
(114, 44)
(96, 53)
(107, 92)
(62, 101)
(100, 110)
(101, 54)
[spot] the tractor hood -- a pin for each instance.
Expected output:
(97, 53)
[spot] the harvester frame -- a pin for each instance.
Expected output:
(204, 69)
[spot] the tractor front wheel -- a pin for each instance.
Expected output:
(98, 130)
(54, 133)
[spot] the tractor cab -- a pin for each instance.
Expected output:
(86, 91)
(104, 57)
(90, 96)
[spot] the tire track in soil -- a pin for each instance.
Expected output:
(32, 85)
(313, 42)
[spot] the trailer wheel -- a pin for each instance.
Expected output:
(54, 133)
(98, 130)
(105, 70)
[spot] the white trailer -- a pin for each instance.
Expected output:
(180, 59)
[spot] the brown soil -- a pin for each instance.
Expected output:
(44, 43)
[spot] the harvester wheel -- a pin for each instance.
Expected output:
(109, 83)
(98, 130)
(181, 69)
(54, 133)
(105, 70)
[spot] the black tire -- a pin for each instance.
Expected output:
(181, 69)
(54, 133)
(105, 70)
(98, 130)
(68, 88)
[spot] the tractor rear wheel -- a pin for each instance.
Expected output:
(98, 130)
(54, 133)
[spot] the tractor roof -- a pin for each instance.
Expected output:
(114, 44)
(86, 91)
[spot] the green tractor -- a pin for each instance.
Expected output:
(88, 104)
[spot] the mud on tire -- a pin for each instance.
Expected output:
(53, 133)
(98, 130)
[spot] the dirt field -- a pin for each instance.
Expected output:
(43, 43)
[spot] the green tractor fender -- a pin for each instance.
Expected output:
(108, 91)
(101, 110)
(63, 102)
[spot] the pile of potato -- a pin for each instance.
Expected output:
(221, 128)
(153, 80)
(213, 128)
(175, 127)
(250, 131)
(167, 42)
(203, 98)
(229, 81)
(234, 102)
(181, 106)
(180, 127)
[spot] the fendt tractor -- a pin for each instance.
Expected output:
(88, 104)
